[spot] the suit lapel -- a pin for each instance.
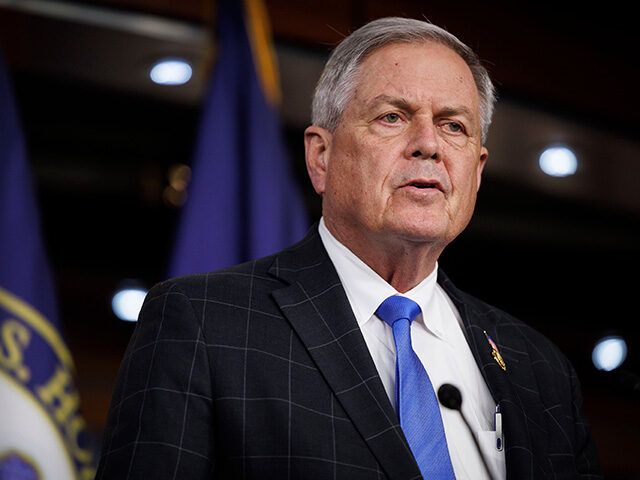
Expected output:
(520, 405)
(317, 308)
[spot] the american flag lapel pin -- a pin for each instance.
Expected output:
(495, 353)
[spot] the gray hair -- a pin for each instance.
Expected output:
(338, 80)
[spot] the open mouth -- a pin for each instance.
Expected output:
(425, 185)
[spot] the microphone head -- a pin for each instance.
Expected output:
(450, 396)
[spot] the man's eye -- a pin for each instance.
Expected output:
(454, 127)
(391, 117)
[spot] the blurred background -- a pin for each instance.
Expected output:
(109, 151)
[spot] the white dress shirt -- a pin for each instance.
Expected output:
(438, 339)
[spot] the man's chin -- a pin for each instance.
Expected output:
(423, 231)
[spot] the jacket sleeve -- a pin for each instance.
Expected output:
(160, 422)
(586, 455)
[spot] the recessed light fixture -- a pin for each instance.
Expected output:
(171, 71)
(609, 353)
(127, 302)
(558, 161)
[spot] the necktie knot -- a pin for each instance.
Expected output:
(397, 308)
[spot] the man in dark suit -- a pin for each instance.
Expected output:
(285, 367)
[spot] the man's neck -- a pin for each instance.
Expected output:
(402, 263)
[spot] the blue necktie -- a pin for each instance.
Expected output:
(416, 400)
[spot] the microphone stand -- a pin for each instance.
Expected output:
(450, 397)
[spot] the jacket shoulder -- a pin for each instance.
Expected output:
(237, 277)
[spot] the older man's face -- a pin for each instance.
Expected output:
(405, 162)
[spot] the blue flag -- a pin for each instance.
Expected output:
(242, 202)
(42, 434)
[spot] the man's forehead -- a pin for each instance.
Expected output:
(405, 72)
(425, 57)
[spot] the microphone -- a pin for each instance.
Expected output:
(450, 397)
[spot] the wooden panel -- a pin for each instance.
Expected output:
(316, 23)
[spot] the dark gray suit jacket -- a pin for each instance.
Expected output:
(261, 371)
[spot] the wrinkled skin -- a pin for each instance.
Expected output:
(400, 174)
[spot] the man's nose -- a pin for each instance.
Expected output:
(423, 140)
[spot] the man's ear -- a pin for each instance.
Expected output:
(317, 147)
(484, 154)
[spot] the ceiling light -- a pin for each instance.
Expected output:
(558, 161)
(127, 302)
(609, 353)
(171, 71)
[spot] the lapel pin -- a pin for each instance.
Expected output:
(495, 353)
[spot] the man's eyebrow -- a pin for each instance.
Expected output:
(452, 111)
(398, 102)
(404, 104)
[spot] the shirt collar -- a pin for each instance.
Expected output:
(366, 290)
